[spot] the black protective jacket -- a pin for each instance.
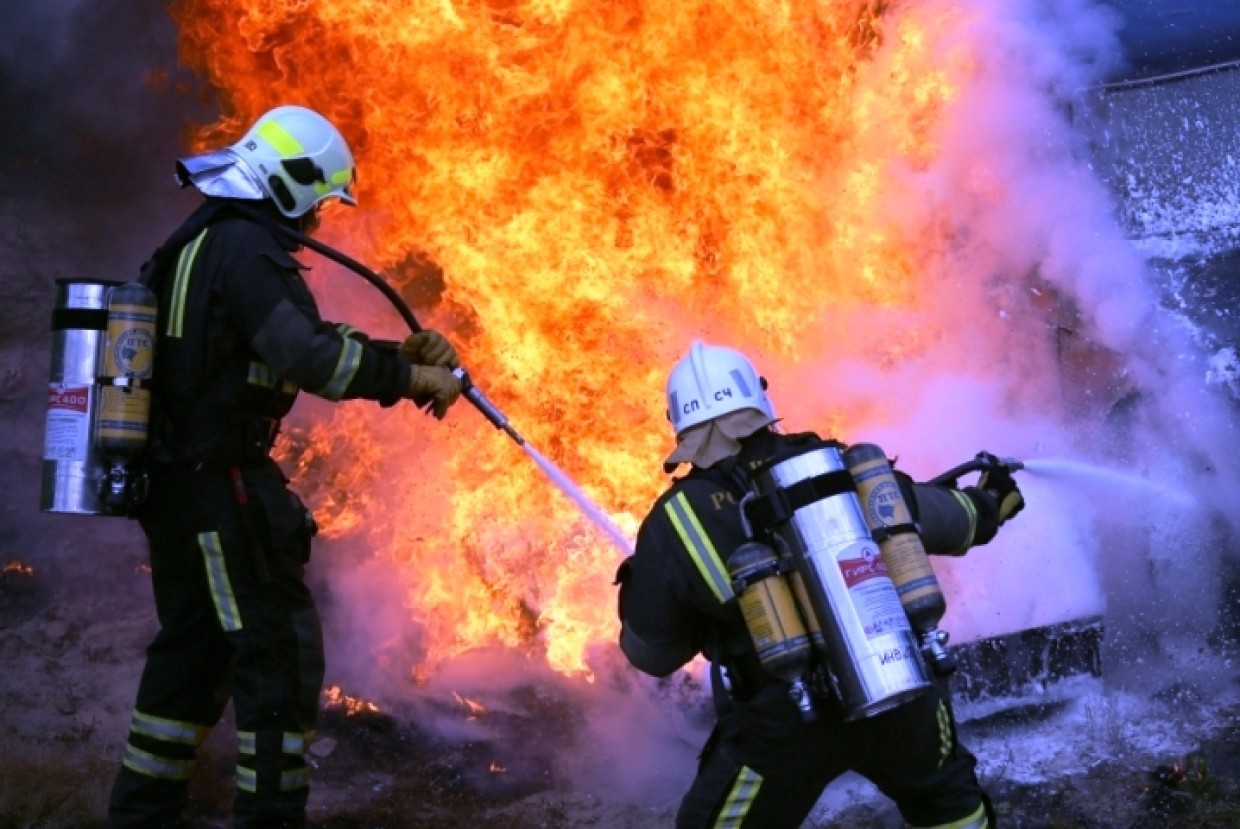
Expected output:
(239, 336)
(675, 596)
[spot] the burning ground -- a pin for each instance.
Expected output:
(889, 206)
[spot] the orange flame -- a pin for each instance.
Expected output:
(574, 191)
(474, 707)
(15, 566)
(335, 697)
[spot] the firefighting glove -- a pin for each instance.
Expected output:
(428, 348)
(438, 384)
(995, 499)
(998, 481)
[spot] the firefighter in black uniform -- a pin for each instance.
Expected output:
(239, 337)
(763, 765)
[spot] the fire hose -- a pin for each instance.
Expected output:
(981, 463)
(470, 391)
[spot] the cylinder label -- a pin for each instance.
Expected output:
(873, 595)
(68, 423)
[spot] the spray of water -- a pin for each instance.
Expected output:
(1101, 474)
(570, 489)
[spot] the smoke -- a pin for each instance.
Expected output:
(96, 111)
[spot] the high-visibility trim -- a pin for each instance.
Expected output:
(977, 820)
(261, 374)
(346, 330)
(169, 731)
(247, 779)
(247, 742)
(294, 779)
(280, 139)
(180, 285)
(740, 799)
(295, 743)
(945, 734)
(151, 765)
(221, 588)
(967, 503)
(346, 367)
(699, 546)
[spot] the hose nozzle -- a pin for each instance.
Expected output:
(489, 410)
(981, 463)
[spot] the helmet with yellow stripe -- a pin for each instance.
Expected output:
(299, 157)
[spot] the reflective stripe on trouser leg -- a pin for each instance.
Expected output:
(161, 747)
(739, 800)
(977, 820)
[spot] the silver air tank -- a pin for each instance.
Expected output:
(871, 652)
(72, 466)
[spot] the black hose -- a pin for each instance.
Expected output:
(471, 392)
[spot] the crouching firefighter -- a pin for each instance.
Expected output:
(783, 732)
(239, 336)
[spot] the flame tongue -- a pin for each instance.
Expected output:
(596, 185)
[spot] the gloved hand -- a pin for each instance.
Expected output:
(996, 499)
(437, 383)
(429, 348)
(998, 481)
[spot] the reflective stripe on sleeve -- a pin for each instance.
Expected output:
(740, 799)
(162, 768)
(967, 503)
(169, 731)
(221, 588)
(247, 742)
(261, 374)
(180, 286)
(699, 546)
(346, 367)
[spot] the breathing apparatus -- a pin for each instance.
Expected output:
(808, 501)
(99, 397)
(899, 540)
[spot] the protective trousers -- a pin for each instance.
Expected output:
(228, 547)
(765, 767)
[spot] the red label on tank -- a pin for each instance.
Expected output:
(869, 566)
(70, 398)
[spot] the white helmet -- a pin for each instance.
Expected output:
(299, 158)
(711, 381)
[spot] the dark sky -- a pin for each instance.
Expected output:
(1166, 36)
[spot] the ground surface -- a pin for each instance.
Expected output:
(71, 640)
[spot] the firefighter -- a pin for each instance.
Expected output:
(764, 765)
(239, 337)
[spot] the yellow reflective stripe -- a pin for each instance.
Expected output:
(221, 588)
(247, 742)
(346, 330)
(280, 139)
(294, 779)
(180, 285)
(744, 790)
(945, 734)
(261, 374)
(247, 779)
(699, 546)
(346, 367)
(977, 820)
(170, 731)
(149, 765)
(295, 743)
(967, 503)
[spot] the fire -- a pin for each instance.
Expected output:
(335, 697)
(574, 191)
(474, 707)
(15, 566)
